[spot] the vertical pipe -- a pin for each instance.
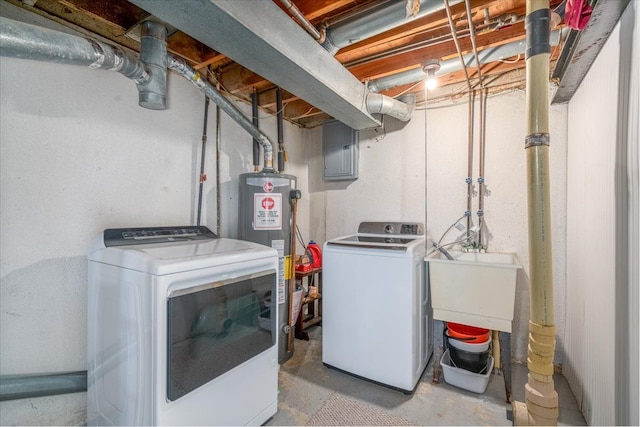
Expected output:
(279, 114)
(472, 33)
(481, 186)
(469, 180)
(541, 406)
(218, 149)
(452, 27)
(292, 279)
(203, 177)
(256, 123)
(152, 93)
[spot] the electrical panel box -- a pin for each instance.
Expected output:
(339, 152)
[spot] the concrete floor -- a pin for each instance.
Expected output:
(306, 385)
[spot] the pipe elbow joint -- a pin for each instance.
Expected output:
(328, 45)
(382, 104)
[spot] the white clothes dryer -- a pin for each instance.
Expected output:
(182, 329)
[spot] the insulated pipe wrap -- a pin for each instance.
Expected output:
(537, 25)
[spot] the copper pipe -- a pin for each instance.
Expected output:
(472, 32)
(452, 26)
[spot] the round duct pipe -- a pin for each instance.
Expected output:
(153, 52)
(373, 21)
(401, 109)
(26, 41)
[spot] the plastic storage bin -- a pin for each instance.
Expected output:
(470, 360)
(462, 378)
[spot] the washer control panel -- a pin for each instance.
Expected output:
(392, 228)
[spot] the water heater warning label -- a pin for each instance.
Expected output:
(267, 211)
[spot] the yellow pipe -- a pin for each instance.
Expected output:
(495, 342)
(541, 406)
(540, 261)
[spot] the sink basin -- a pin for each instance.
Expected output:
(474, 288)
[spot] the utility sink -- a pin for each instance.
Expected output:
(474, 288)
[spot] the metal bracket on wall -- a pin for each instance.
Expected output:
(582, 47)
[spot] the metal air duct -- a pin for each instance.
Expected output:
(400, 109)
(373, 21)
(264, 39)
(26, 41)
(452, 65)
(152, 94)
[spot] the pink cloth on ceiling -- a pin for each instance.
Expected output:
(577, 14)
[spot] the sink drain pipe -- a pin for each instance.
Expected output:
(541, 407)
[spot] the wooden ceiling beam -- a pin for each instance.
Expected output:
(321, 9)
(418, 57)
(400, 35)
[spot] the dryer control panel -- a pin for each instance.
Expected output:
(142, 235)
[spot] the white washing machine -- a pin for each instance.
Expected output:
(182, 329)
(376, 319)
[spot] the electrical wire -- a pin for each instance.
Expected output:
(299, 237)
(408, 89)
(307, 113)
(512, 61)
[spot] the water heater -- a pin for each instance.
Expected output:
(265, 217)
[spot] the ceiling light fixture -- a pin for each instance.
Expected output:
(431, 68)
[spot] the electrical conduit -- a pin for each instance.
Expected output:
(541, 406)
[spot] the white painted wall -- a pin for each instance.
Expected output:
(392, 179)
(78, 155)
(600, 301)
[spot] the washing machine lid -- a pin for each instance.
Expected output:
(384, 235)
(160, 252)
(377, 242)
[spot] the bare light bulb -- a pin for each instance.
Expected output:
(431, 83)
(430, 69)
